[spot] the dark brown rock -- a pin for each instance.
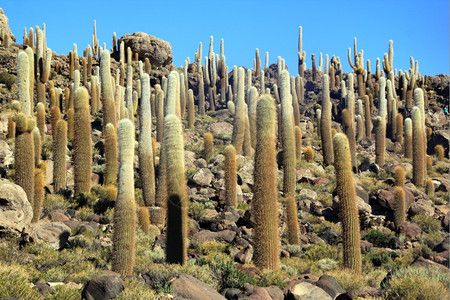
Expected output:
(103, 288)
(187, 287)
(220, 236)
(426, 263)
(410, 230)
(386, 198)
(330, 285)
(260, 293)
(275, 292)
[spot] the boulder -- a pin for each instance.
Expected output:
(4, 26)
(55, 233)
(103, 287)
(6, 154)
(422, 207)
(387, 200)
(220, 236)
(439, 137)
(330, 285)
(245, 255)
(275, 292)
(202, 177)
(260, 293)
(187, 287)
(221, 129)
(421, 262)
(15, 210)
(306, 291)
(158, 51)
(410, 230)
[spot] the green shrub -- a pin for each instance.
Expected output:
(15, 282)
(135, 290)
(64, 292)
(379, 237)
(419, 283)
(7, 79)
(426, 223)
(322, 250)
(52, 202)
(379, 257)
(270, 277)
(327, 264)
(296, 265)
(294, 250)
(196, 210)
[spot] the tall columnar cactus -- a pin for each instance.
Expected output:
(82, 149)
(288, 137)
(39, 194)
(380, 140)
(208, 146)
(264, 204)
(109, 112)
(325, 123)
(407, 143)
(399, 176)
(230, 176)
(358, 68)
(31, 74)
(23, 83)
(190, 110)
(145, 149)
(24, 154)
(400, 210)
(295, 106)
(318, 120)
(399, 128)
(418, 147)
(172, 101)
(111, 159)
(348, 211)
(37, 146)
(239, 117)
(59, 156)
(298, 143)
(177, 242)
(160, 112)
(252, 102)
(420, 103)
(247, 146)
(301, 54)
(201, 93)
(292, 221)
(359, 128)
(367, 116)
(350, 133)
(125, 207)
(55, 116)
(70, 123)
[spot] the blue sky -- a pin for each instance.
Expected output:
(418, 28)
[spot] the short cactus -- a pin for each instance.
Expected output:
(399, 176)
(144, 219)
(439, 152)
(208, 146)
(309, 154)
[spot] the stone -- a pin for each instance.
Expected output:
(421, 262)
(221, 129)
(202, 177)
(55, 233)
(15, 210)
(329, 235)
(330, 285)
(6, 154)
(363, 206)
(245, 255)
(158, 51)
(44, 288)
(386, 198)
(58, 216)
(232, 293)
(189, 159)
(411, 230)
(306, 291)
(422, 207)
(443, 246)
(275, 292)
(103, 287)
(4, 27)
(188, 287)
(220, 236)
(439, 137)
(307, 194)
(260, 293)
(366, 246)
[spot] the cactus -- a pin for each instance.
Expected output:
(31, 74)
(247, 146)
(159, 113)
(348, 211)
(399, 176)
(70, 123)
(59, 156)
(350, 133)
(145, 149)
(23, 83)
(367, 117)
(264, 205)
(295, 107)
(292, 221)
(400, 210)
(429, 187)
(380, 140)
(37, 146)
(407, 143)
(109, 113)
(111, 160)
(124, 209)
(399, 128)
(358, 68)
(301, 54)
(288, 137)
(24, 155)
(252, 102)
(325, 126)
(39, 193)
(144, 219)
(55, 116)
(439, 152)
(309, 154)
(298, 143)
(177, 242)
(190, 110)
(40, 119)
(230, 176)
(418, 147)
(11, 127)
(318, 120)
(239, 117)
(201, 94)
(82, 150)
(359, 128)
(208, 146)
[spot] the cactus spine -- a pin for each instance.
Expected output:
(11, 127)
(208, 146)
(264, 202)
(380, 140)
(109, 113)
(350, 133)
(177, 242)
(190, 110)
(348, 211)
(298, 143)
(59, 156)
(439, 152)
(144, 219)
(37, 146)
(239, 117)
(292, 221)
(407, 143)
(23, 82)
(145, 149)
(124, 209)
(400, 211)
(288, 137)
(39, 193)
(367, 117)
(230, 176)
(252, 102)
(82, 150)
(325, 126)
(309, 154)
(159, 113)
(111, 160)
(24, 155)
(418, 147)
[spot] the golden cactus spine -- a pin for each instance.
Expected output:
(177, 242)
(292, 221)
(109, 113)
(37, 146)
(348, 211)
(82, 149)
(239, 116)
(59, 156)
(380, 140)
(264, 203)
(125, 208)
(418, 147)
(298, 143)
(208, 146)
(144, 219)
(230, 176)
(407, 143)
(145, 148)
(39, 193)
(399, 211)
(439, 152)
(325, 123)
(309, 154)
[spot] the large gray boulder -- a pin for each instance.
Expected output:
(158, 51)
(4, 27)
(15, 210)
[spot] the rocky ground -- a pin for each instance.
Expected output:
(67, 253)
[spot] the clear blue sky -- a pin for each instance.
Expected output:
(418, 28)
